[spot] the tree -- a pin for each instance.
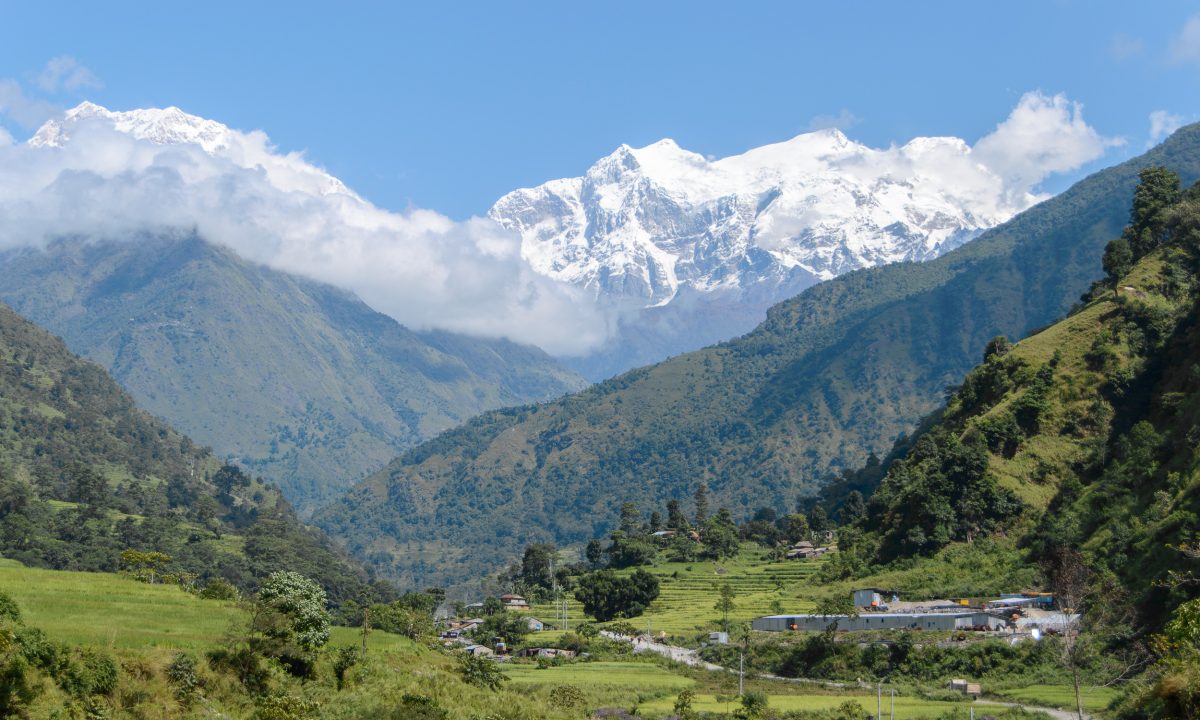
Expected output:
(701, 500)
(631, 519)
(655, 521)
(629, 550)
(594, 553)
(997, 347)
(1157, 190)
(536, 566)
(818, 520)
(683, 705)
(795, 528)
(492, 605)
(725, 604)
(1070, 579)
(301, 602)
(1118, 259)
(676, 520)
(606, 595)
(720, 536)
(144, 566)
(854, 509)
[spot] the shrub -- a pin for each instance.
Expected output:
(181, 673)
(481, 672)
(244, 664)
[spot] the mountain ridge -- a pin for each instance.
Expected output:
(299, 381)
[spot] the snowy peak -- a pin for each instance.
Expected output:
(162, 126)
(172, 126)
(644, 224)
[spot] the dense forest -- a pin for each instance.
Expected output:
(90, 482)
(833, 375)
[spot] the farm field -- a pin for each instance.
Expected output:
(640, 677)
(906, 707)
(113, 611)
(1095, 699)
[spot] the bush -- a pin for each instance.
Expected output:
(181, 673)
(244, 664)
(219, 589)
(481, 672)
(281, 706)
(345, 658)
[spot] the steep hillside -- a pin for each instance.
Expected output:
(297, 380)
(86, 475)
(1080, 444)
(833, 374)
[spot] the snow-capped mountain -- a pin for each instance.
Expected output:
(692, 251)
(643, 224)
(172, 126)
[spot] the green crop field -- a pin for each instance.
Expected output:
(637, 676)
(114, 611)
(906, 707)
(1095, 699)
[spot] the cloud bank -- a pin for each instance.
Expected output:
(107, 175)
(419, 267)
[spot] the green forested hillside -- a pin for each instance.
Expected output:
(298, 381)
(1081, 444)
(85, 475)
(831, 376)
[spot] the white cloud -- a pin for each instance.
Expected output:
(66, 73)
(842, 120)
(1185, 47)
(1162, 124)
(420, 267)
(25, 111)
(1043, 135)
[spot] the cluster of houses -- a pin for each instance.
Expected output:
(805, 550)
(877, 609)
(460, 632)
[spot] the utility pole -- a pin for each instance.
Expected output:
(741, 673)
(366, 626)
(879, 702)
(893, 703)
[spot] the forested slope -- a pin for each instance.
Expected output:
(295, 379)
(85, 475)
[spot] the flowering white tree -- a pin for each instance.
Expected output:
(302, 602)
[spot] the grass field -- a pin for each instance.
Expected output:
(1095, 699)
(114, 611)
(637, 676)
(906, 707)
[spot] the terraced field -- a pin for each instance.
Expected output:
(688, 593)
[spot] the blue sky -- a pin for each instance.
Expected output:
(448, 106)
